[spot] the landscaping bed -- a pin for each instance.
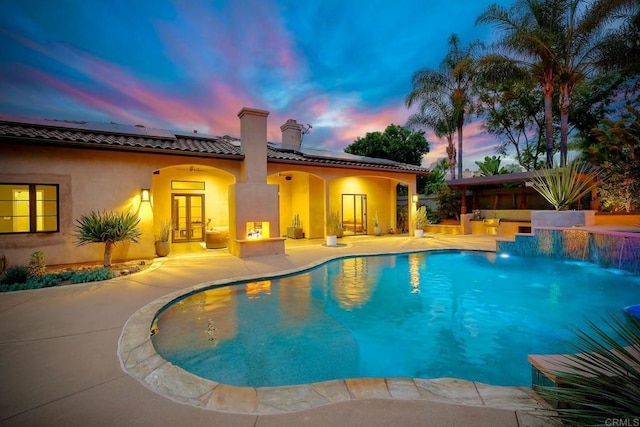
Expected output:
(17, 278)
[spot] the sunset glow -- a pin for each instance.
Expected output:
(342, 67)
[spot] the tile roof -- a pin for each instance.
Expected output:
(81, 137)
(113, 136)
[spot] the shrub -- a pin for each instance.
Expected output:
(93, 276)
(449, 203)
(51, 279)
(37, 266)
(15, 274)
(65, 275)
(3, 263)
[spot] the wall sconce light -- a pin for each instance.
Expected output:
(414, 198)
(145, 195)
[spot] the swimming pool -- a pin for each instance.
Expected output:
(469, 315)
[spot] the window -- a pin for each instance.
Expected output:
(28, 208)
(187, 185)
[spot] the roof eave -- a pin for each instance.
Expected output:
(342, 166)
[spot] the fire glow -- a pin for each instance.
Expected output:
(257, 230)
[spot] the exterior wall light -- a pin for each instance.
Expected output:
(414, 198)
(145, 195)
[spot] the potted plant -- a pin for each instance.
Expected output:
(163, 247)
(334, 228)
(421, 221)
(377, 230)
(295, 231)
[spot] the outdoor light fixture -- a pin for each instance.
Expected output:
(414, 198)
(145, 195)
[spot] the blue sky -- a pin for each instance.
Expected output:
(342, 66)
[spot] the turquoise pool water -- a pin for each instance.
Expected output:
(469, 315)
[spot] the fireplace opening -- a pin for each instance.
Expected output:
(257, 230)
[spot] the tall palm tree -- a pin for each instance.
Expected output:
(530, 31)
(579, 52)
(560, 40)
(436, 113)
(451, 83)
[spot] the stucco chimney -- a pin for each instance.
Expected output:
(253, 144)
(291, 134)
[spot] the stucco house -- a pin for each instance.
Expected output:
(51, 172)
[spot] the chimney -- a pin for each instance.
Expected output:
(253, 144)
(291, 134)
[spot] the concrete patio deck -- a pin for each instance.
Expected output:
(59, 365)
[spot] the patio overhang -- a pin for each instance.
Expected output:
(492, 180)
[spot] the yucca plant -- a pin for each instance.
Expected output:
(108, 228)
(601, 382)
(563, 186)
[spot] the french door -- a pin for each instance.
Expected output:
(354, 214)
(187, 217)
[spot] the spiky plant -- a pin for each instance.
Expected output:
(602, 380)
(420, 218)
(563, 186)
(108, 228)
(334, 224)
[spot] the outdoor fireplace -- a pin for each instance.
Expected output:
(254, 221)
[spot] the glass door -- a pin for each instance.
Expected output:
(354, 214)
(187, 217)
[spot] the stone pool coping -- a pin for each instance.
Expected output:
(139, 359)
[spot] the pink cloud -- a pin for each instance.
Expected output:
(83, 97)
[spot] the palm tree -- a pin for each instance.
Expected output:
(436, 113)
(530, 31)
(620, 48)
(561, 41)
(450, 84)
(579, 51)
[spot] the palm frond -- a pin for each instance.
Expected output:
(107, 227)
(602, 379)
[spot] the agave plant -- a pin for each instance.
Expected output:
(107, 228)
(563, 186)
(601, 382)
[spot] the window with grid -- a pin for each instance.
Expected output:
(29, 208)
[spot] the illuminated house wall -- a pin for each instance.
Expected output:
(98, 171)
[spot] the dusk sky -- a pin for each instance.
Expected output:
(344, 66)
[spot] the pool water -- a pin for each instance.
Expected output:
(469, 315)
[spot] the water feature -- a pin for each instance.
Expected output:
(606, 248)
(469, 315)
